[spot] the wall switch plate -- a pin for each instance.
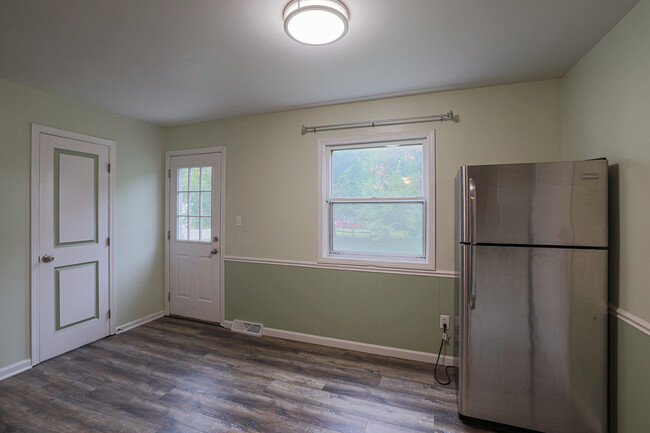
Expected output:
(237, 221)
(444, 320)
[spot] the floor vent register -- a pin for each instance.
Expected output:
(248, 328)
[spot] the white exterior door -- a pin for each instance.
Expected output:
(195, 234)
(73, 252)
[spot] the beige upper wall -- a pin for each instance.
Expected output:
(139, 206)
(606, 112)
(271, 168)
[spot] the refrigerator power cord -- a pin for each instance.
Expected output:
(435, 370)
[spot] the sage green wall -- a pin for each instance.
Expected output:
(605, 110)
(386, 309)
(271, 181)
(139, 206)
(606, 107)
(631, 376)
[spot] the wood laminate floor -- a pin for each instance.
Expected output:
(175, 375)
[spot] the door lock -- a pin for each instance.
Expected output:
(215, 239)
(47, 258)
(214, 251)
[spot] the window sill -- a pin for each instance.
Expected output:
(378, 264)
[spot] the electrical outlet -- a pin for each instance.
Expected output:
(444, 320)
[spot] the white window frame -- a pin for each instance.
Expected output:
(325, 148)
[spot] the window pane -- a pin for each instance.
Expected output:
(182, 179)
(206, 203)
(194, 203)
(195, 177)
(377, 172)
(378, 228)
(194, 228)
(183, 204)
(181, 229)
(206, 231)
(206, 178)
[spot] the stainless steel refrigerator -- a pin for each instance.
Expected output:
(532, 323)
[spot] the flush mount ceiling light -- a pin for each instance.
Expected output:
(316, 22)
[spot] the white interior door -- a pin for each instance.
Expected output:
(73, 252)
(195, 224)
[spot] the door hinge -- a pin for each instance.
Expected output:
(169, 173)
(169, 296)
(109, 167)
(108, 242)
(109, 313)
(169, 234)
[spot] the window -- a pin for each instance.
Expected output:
(193, 216)
(375, 206)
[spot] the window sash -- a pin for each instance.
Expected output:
(418, 141)
(378, 200)
(362, 254)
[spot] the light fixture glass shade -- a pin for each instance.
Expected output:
(316, 22)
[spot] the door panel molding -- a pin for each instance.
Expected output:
(61, 322)
(58, 242)
(222, 211)
(37, 131)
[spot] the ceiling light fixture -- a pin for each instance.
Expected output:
(316, 22)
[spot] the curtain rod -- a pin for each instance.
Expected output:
(373, 123)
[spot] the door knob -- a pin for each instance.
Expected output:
(47, 258)
(213, 251)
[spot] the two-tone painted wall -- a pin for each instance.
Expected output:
(606, 112)
(272, 275)
(138, 213)
(599, 109)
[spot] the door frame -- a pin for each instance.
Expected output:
(37, 130)
(222, 213)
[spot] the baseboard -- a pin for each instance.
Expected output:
(374, 349)
(140, 321)
(630, 319)
(15, 368)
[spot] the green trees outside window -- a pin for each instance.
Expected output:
(377, 203)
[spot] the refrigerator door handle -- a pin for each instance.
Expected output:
(470, 277)
(472, 229)
(472, 209)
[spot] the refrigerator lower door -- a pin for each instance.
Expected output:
(533, 337)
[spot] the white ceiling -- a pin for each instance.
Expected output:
(173, 62)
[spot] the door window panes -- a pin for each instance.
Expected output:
(206, 204)
(194, 204)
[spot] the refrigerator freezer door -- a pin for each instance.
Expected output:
(533, 348)
(549, 204)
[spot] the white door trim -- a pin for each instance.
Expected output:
(222, 241)
(37, 130)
